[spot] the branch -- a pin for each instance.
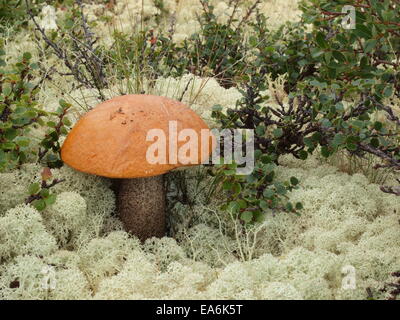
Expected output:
(44, 185)
(84, 55)
(392, 190)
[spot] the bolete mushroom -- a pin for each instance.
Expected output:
(117, 139)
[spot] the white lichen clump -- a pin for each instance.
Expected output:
(49, 18)
(23, 233)
(346, 221)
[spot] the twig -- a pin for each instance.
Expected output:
(44, 185)
(85, 55)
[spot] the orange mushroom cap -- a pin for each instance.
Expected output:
(110, 140)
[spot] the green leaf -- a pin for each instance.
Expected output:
(264, 205)
(268, 193)
(34, 188)
(289, 206)
(265, 158)
(278, 132)
(308, 141)
(325, 151)
(260, 130)
(10, 134)
(369, 45)
(375, 142)
(63, 130)
(231, 172)
(258, 216)
(363, 31)
(236, 188)
(216, 108)
(351, 146)
(69, 23)
(6, 89)
(294, 181)
(325, 123)
(22, 141)
(316, 137)
(316, 52)
(242, 203)
(388, 91)
(280, 189)
(64, 104)
(378, 125)
(328, 56)
(338, 140)
(227, 185)
(299, 206)
(27, 56)
(352, 139)
(364, 62)
(44, 192)
(303, 154)
(320, 39)
(8, 146)
(50, 199)
(233, 206)
(40, 205)
(246, 216)
(315, 83)
(67, 122)
(338, 56)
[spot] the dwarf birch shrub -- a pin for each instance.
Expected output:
(337, 83)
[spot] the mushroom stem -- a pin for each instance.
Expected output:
(141, 206)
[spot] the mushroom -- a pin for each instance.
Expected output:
(112, 141)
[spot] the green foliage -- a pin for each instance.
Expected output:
(216, 50)
(75, 45)
(13, 12)
(21, 115)
(338, 82)
(28, 132)
(359, 65)
(51, 140)
(254, 196)
(11, 9)
(283, 51)
(39, 193)
(134, 57)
